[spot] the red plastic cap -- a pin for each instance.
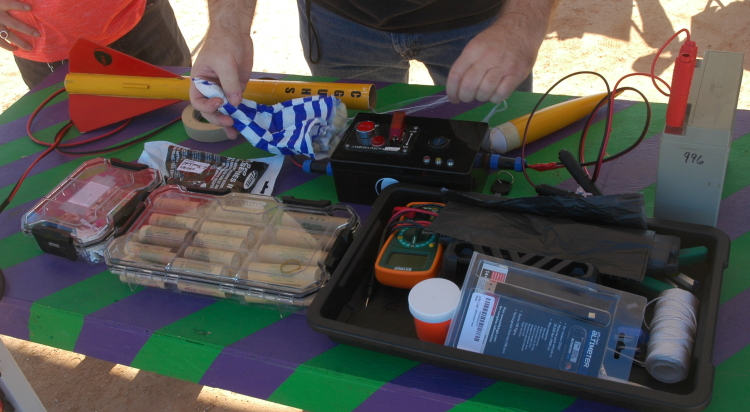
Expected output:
(366, 126)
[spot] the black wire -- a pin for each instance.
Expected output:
(635, 143)
(528, 122)
(602, 149)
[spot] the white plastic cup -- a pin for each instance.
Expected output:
(433, 302)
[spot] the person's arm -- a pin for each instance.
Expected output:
(11, 24)
(498, 59)
(226, 58)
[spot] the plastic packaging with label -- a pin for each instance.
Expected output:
(539, 317)
(79, 216)
(255, 248)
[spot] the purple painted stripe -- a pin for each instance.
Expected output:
(732, 327)
(10, 172)
(10, 219)
(582, 405)
(391, 397)
(14, 318)
(446, 384)
(426, 388)
(56, 77)
(290, 341)
(45, 274)
(630, 173)
(259, 363)
(734, 218)
(50, 116)
(234, 371)
(118, 331)
(291, 176)
(114, 344)
(638, 169)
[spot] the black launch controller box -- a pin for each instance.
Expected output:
(433, 152)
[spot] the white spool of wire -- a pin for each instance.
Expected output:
(673, 329)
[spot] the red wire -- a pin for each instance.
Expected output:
(610, 116)
(658, 53)
(58, 138)
(608, 130)
(120, 146)
(91, 140)
(406, 210)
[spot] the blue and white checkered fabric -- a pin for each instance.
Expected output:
(286, 128)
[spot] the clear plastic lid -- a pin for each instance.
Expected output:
(86, 202)
(238, 243)
(543, 318)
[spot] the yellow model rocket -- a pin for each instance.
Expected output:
(355, 96)
(106, 86)
(508, 136)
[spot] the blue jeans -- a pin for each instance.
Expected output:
(349, 50)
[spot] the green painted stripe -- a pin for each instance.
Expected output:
(24, 146)
(504, 396)
(339, 380)
(736, 166)
(56, 320)
(42, 183)
(29, 102)
(649, 194)
(246, 151)
(735, 279)
(731, 381)
(17, 248)
(627, 127)
(186, 348)
(320, 188)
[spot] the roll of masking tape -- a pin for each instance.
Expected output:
(200, 130)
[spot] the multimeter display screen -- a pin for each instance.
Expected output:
(407, 260)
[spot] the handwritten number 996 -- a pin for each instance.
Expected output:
(691, 157)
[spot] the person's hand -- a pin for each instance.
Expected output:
(498, 59)
(226, 58)
(11, 25)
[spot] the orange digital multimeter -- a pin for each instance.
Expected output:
(410, 255)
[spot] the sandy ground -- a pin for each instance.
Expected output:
(614, 38)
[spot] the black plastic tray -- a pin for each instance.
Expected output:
(386, 325)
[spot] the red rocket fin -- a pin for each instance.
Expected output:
(90, 112)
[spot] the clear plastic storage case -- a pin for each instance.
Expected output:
(255, 248)
(83, 212)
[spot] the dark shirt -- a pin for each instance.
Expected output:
(414, 16)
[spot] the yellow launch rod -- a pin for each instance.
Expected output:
(355, 96)
(508, 136)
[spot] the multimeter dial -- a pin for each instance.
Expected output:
(416, 238)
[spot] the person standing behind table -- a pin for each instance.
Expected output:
(479, 49)
(40, 33)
